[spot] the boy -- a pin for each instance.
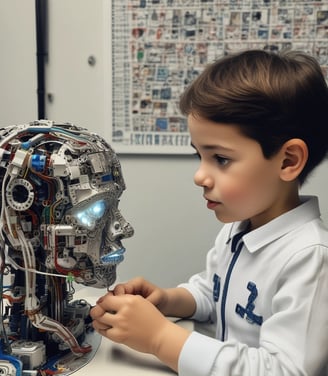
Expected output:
(258, 123)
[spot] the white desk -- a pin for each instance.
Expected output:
(119, 360)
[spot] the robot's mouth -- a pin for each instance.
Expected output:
(113, 258)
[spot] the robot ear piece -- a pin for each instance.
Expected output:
(20, 194)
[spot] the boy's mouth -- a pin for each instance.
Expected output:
(212, 204)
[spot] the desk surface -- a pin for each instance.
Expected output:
(118, 359)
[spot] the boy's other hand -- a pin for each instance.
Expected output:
(139, 286)
(129, 319)
(134, 321)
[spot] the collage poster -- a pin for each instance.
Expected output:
(159, 46)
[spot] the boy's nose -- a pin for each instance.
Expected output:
(202, 178)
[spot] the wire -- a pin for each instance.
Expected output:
(6, 344)
(32, 270)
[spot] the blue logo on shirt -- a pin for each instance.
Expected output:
(216, 287)
(251, 317)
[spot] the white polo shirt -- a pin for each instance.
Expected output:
(269, 300)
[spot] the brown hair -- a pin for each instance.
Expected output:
(271, 96)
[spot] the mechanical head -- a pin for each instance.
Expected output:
(60, 189)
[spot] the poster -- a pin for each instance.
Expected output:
(159, 46)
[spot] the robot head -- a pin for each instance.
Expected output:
(60, 188)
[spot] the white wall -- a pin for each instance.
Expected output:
(18, 100)
(78, 29)
(173, 228)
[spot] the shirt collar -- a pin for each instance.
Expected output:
(285, 223)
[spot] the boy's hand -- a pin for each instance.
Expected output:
(131, 320)
(139, 286)
(134, 321)
(176, 301)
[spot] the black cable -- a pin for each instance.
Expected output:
(41, 20)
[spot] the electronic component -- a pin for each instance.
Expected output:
(59, 224)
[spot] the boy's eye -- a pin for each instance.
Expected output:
(197, 155)
(222, 161)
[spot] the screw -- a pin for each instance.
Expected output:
(91, 60)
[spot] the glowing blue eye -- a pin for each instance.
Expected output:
(85, 220)
(88, 217)
(97, 210)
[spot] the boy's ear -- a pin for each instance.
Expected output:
(294, 156)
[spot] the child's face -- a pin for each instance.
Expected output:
(238, 182)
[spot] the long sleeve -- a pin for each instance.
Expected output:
(293, 341)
